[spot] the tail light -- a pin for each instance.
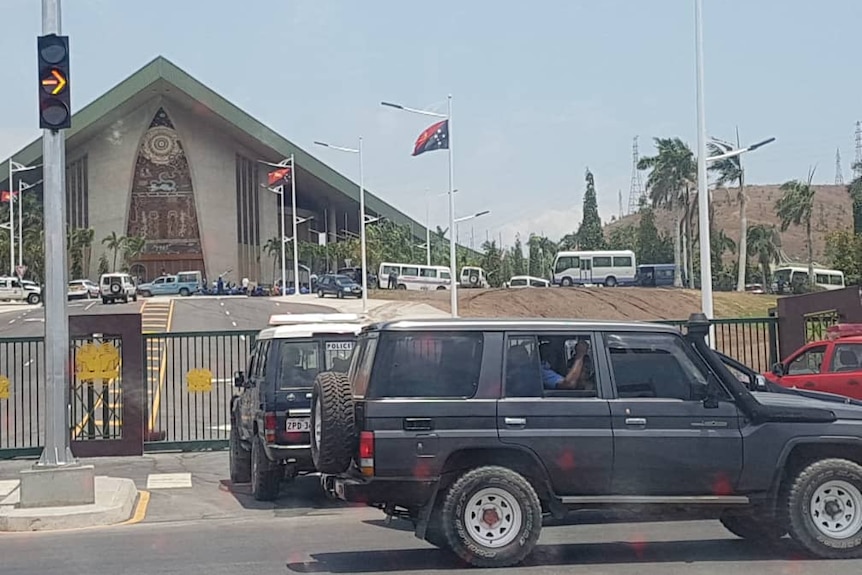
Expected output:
(269, 425)
(366, 453)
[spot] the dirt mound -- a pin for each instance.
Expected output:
(589, 303)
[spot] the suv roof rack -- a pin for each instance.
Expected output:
(301, 318)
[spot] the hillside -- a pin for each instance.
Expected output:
(832, 211)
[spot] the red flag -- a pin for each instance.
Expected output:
(435, 137)
(278, 177)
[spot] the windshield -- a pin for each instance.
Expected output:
(301, 361)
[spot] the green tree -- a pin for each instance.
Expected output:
(844, 250)
(652, 247)
(115, 244)
(590, 235)
(729, 170)
(517, 254)
(133, 247)
(103, 264)
(673, 174)
(272, 248)
(492, 263)
(795, 207)
(855, 191)
(623, 238)
(764, 243)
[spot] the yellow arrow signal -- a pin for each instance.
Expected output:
(57, 80)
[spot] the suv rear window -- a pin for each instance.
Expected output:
(426, 364)
(300, 361)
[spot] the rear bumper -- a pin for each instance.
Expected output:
(297, 454)
(406, 492)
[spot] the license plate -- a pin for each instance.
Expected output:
(298, 424)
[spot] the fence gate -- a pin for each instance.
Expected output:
(107, 389)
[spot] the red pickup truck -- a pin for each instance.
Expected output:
(833, 365)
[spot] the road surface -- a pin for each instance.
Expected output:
(210, 526)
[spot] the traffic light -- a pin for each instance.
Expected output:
(55, 108)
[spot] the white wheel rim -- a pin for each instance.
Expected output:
(836, 509)
(318, 424)
(493, 517)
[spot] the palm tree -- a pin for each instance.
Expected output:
(133, 248)
(85, 243)
(114, 243)
(796, 207)
(730, 170)
(272, 247)
(673, 174)
(765, 243)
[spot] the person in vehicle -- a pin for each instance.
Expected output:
(578, 376)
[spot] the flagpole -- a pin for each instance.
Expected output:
(293, 216)
(453, 263)
(283, 240)
(11, 220)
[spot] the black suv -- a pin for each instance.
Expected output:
(270, 417)
(338, 285)
(475, 430)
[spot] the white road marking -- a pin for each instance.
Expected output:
(89, 305)
(221, 303)
(11, 321)
(277, 304)
(169, 480)
(35, 319)
(226, 312)
(233, 323)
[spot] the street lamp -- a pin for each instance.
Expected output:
(452, 260)
(362, 217)
(288, 163)
(15, 167)
(702, 159)
(472, 216)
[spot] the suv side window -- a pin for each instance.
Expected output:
(538, 365)
(808, 362)
(846, 356)
(262, 354)
(427, 364)
(654, 365)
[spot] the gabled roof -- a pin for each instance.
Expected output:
(91, 117)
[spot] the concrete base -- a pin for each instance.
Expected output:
(114, 503)
(57, 486)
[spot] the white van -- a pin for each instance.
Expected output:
(608, 267)
(414, 276)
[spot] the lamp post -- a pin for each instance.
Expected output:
(14, 168)
(362, 217)
(453, 264)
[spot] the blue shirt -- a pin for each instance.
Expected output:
(550, 378)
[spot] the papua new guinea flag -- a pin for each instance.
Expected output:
(435, 137)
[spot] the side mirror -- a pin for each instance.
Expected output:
(760, 383)
(707, 393)
(778, 369)
(239, 379)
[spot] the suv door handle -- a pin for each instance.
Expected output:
(418, 424)
(515, 421)
(636, 421)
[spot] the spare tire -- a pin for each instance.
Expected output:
(474, 280)
(333, 433)
(115, 288)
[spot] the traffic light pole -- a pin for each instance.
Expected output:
(56, 452)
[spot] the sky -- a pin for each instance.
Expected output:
(541, 90)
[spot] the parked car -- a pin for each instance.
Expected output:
(355, 273)
(270, 416)
(13, 289)
(473, 277)
(527, 281)
(83, 289)
(833, 365)
(117, 286)
(183, 284)
(648, 417)
(338, 285)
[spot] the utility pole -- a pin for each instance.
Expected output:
(839, 173)
(857, 162)
(57, 452)
(636, 192)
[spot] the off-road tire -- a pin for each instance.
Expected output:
(801, 496)
(184, 292)
(240, 459)
(748, 526)
(332, 400)
(265, 475)
(518, 491)
(33, 299)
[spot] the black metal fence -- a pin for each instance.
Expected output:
(189, 384)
